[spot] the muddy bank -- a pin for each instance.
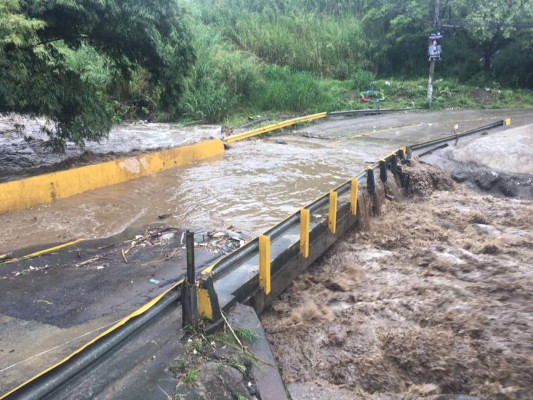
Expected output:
(498, 163)
(24, 150)
(235, 362)
(434, 301)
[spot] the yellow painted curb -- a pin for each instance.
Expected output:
(270, 128)
(43, 189)
(41, 252)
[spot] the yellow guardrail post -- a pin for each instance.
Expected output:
(353, 195)
(332, 218)
(383, 170)
(207, 299)
(507, 121)
(205, 309)
(402, 152)
(305, 222)
(264, 263)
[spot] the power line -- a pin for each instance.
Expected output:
(472, 24)
(451, 23)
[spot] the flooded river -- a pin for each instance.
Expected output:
(254, 185)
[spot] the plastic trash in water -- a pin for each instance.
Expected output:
(154, 281)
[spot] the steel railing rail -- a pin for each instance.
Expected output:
(227, 263)
(231, 261)
(449, 138)
(309, 118)
(52, 378)
(369, 111)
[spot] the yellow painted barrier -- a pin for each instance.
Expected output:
(205, 309)
(332, 218)
(264, 263)
(270, 128)
(353, 195)
(42, 189)
(305, 220)
(41, 252)
(507, 121)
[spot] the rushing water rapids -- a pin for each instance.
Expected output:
(255, 184)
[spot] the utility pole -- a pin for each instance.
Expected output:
(432, 65)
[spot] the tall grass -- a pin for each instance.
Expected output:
(284, 90)
(319, 36)
(326, 46)
(223, 77)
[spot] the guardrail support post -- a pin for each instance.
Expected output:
(353, 195)
(394, 164)
(305, 221)
(383, 170)
(401, 153)
(190, 300)
(370, 182)
(332, 217)
(264, 264)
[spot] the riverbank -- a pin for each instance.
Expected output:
(24, 150)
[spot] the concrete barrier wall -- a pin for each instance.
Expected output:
(42, 189)
(46, 188)
(274, 127)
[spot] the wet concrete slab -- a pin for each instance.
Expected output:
(53, 304)
(266, 374)
(497, 162)
(136, 371)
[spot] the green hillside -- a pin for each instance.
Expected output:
(213, 60)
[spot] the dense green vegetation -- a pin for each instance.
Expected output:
(68, 59)
(87, 63)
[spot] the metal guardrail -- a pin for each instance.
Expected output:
(45, 382)
(309, 118)
(232, 260)
(368, 111)
(429, 143)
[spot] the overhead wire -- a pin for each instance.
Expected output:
(453, 23)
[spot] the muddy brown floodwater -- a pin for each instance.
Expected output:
(433, 301)
(253, 186)
(24, 150)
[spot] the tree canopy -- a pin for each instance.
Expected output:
(36, 79)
